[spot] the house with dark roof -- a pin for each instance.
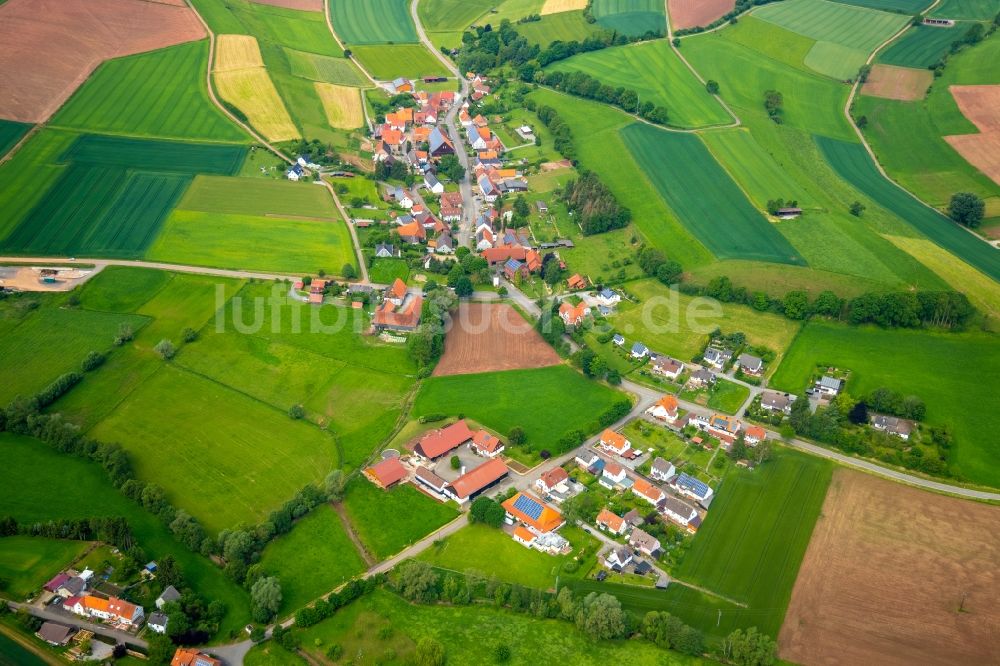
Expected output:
(893, 425)
(386, 251)
(54, 634)
(662, 470)
(701, 377)
(430, 480)
(433, 184)
(830, 386)
(750, 364)
(717, 357)
(618, 558)
(678, 511)
(639, 350)
(644, 542)
(157, 622)
(691, 487)
(168, 595)
(777, 402)
(438, 144)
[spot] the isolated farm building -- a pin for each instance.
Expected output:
(157, 622)
(576, 281)
(112, 608)
(436, 443)
(788, 213)
(542, 207)
(717, 358)
(404, 318)
(191, 657)
(701, 377)
(664, 366)
(618, 558)
(777, 402)
(524, 536)
(893, 425)
(553, 480)
(615, 442)
(55, 634)
(754, 435)
(471, 484)
(386, 251)
(614, 476)
(430, 480)
(387, 473)
(639, 350)
(611, 522)
(662, 470)
(750, 364)
(691, 487)
(169, 594)
(678, 511)
(644, 542)
(486, 444)
(648, 491)
(514, 185)
(618, 340)
(938, 22)
(573, 315)
(827, 385)
(532, 512)
(665, 409)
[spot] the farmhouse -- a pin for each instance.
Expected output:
(614, 442)
(532, 512)
(717, 358)
(191, 657)
(691, 487)
(387, 473)
(73, 586)
(402, 85)
(754, 435)
(403, 318)
(662, 470)
(788, 213)
(486, 444)
(436, 443)
(471, 484)
(681, 513)
(573, 315)
(750, 364)
(664, 366)
(611, 522)
(665, 409)
(112, 609)
(894, 426)
(553, 480)
(644, 542)
(648, 491)
(54, 634)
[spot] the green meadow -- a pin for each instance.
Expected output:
(10, 133)
(26, 563)
(921, 46)
(373, 22)
(856, 28)
(313, 559)
(562, 26)
(630, 17)
(91, 494)
(912, 363)
(29, 174)
(258, 196)
(981, 10)
(654, 71)
(902, 6)
(388, 61)
(341, 71)
(159, 94)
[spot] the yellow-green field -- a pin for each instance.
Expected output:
(341, 104)
(243, 82)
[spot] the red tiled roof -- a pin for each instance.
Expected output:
(615, 440)
(612, 521)
(190, 657)
(522, 532)
(647, 489)
(440, 442)
(668, 402)
(613, 469)
(477, 479)
(413, 229)
(486, 442)
(398, 289)
(406, 317)
(554, 477)
(756, 432)
(548, 518)
(387, 472)
(576, 282)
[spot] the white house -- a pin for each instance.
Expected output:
(678, 511)
(717, 358)
(524, 536)
(667, 367)
(611, 522)
(618, 558)
(555, 480)
(750, 364)
(691, 487)
(639, 350)
(157, 622)
(433, 184)
(894, 426)
(608, 297)
(829, 386)
(618, 339)
(111, 609)
(662, 470)
(168, 595)
(665, 409)
(615, 442)
(644, 542)
(613, 475)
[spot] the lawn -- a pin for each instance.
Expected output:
(753, 539)
(630, 17)
(728, 396)
(91, 494)
(235, 242)
(340, 71)
(26, 563)
(495, 554)
(387, 521)
(705, 198)
(258, 196)
(384, 271)
(561, 400)
(684, 332)
(921, 46)
(654, 71)
(312, 559)
(854, 165)
(158, 94)
(222, 456)
(909, 362)
(10, 133)
(373, 22)
(563, 26)
(388, 61)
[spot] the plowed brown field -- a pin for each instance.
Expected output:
(487, 337)
(692, 13)
(895, 575)
(902, 83)
(50, 47)
(981, 105)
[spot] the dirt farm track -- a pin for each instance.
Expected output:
(896, 575)
(485, 337)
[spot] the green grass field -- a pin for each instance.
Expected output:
(122, 289)
(392, 60)
(853, 27)
(373, 22)
(26, 563)
(384, 271)
(562, 26)
(705, 198)
(630, 17)
(158, 94)
(387, 521)
(778, 279)
(258, 196)
(451, 15)
(981, 10)
(494, 553)
(654, 71)
(312, 559)
(755, 170)
(854, 165)
(902, 6)
(728, 396)
(920, 47)
(753, 540)
(907, 361)
(562, 400)
(91, 494)
(235, 241)
(340, 71)
(29, 175)
(683, 333)
(10, 133)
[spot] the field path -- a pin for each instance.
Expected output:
(349, 529)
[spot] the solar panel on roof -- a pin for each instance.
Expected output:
(528, 506)
(697, 486)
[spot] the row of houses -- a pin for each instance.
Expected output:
(399, 310)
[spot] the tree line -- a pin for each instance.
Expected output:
(729, 17)
(589, 87)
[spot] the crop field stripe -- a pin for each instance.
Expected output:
(373, 22)
(854, 27)
(854, 165)
(631, 17)
(451, 15)
(978, 10)
(135, 217)
(10, 133)
(903, 6)
(920, 46)
(340, 71)
(391, 60)
(705, 197)
(155, 155)
(342, 105)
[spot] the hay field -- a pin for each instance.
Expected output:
(236, 52)
(253, 93)
(556, 6)
(341, 104)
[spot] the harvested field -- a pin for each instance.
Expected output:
(896, 575)
(341, 104)
(902, 83)
(236, 52)
(691, 13)
(253, 92)
(304, 5)
(980, 150)
(486, 337)
(52, 46)
(981, 105)
(556, 6)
